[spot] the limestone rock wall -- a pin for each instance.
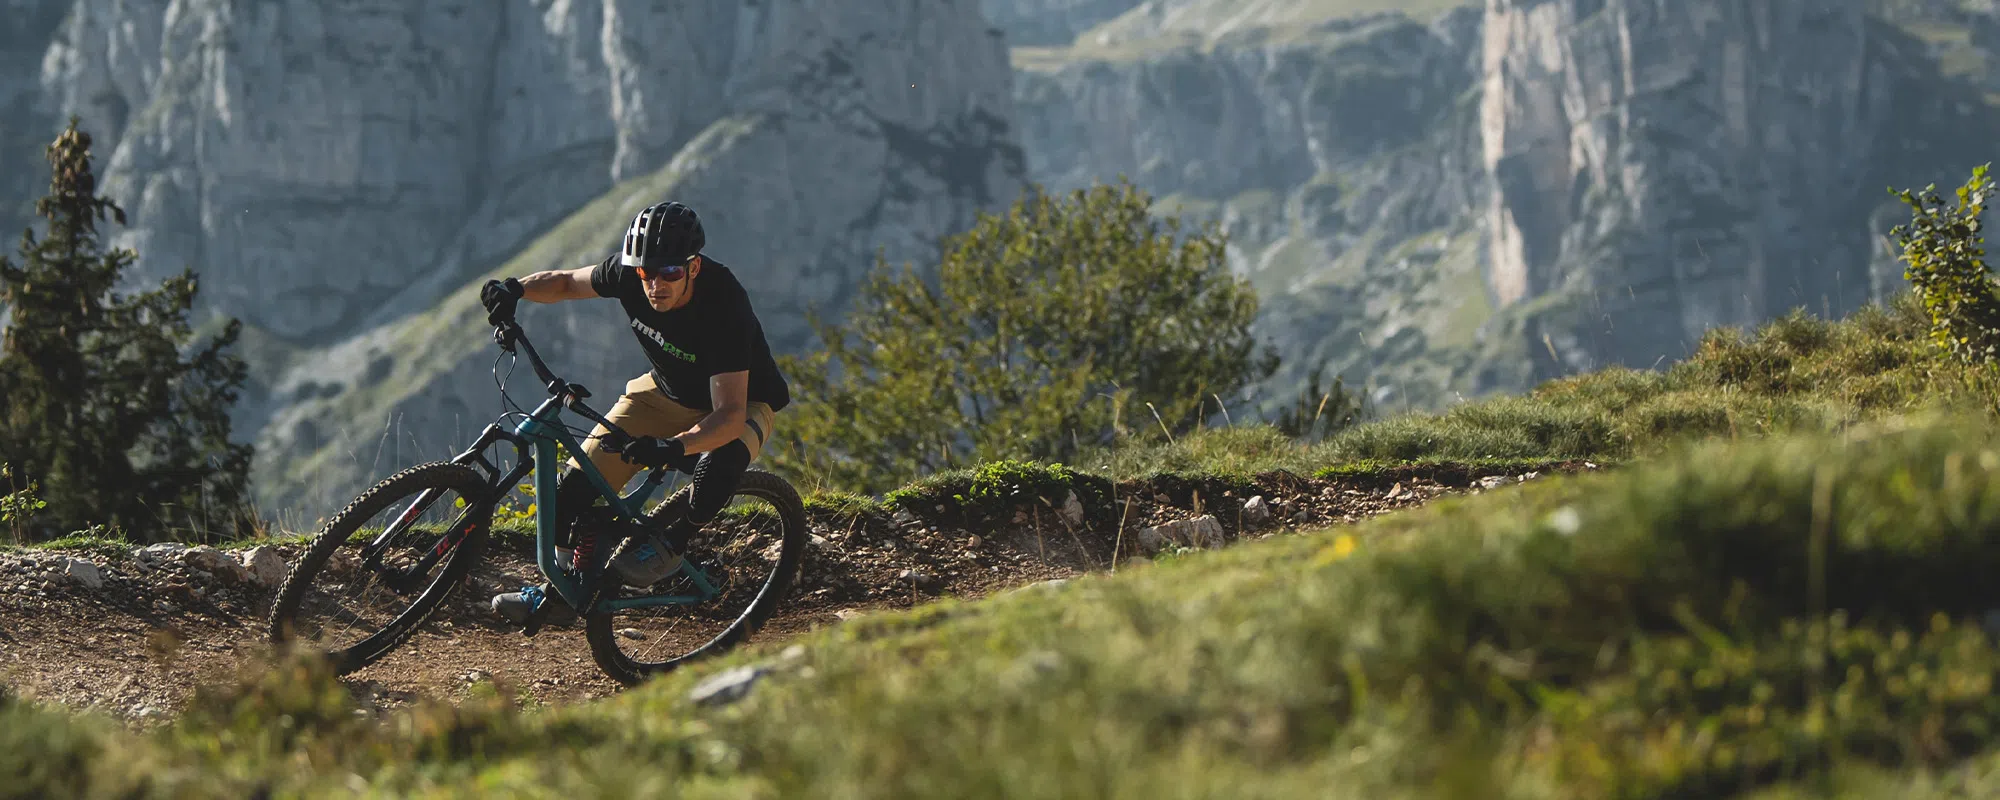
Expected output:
(1668, 166)
(340, 172)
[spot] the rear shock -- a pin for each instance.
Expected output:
(584, 534)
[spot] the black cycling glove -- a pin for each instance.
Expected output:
(499, 298)
(646, 451)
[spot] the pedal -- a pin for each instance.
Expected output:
(540, 614)
(535, 618)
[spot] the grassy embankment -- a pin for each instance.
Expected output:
(1767, 616)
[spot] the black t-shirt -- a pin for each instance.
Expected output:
(715, 333)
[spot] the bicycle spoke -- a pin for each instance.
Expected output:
(740, 550)
(373, 565)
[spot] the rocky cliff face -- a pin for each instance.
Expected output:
(339, 175)
(312, 160)
(1436, 198)
(25, 27)
(1050, 22)
(1339, 152)
(1491, 194)
(1668, 167)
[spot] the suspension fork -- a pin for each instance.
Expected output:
(401, 580)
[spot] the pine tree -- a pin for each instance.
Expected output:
(106, 401)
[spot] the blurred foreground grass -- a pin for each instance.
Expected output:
(1797, 616)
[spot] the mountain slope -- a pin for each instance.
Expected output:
(337, 176)
(1470, 200)
(1342, 157)
(429, 373)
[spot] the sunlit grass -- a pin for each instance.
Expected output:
(1722, 617)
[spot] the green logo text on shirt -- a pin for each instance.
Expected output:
(677, 352)
(654, 335)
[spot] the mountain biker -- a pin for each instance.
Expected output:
(711, 393)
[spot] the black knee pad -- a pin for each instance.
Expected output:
(715, 480)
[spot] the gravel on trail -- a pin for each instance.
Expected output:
(131, 632)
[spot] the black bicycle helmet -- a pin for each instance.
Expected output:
(663, 234)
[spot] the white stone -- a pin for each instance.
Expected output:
(1255, 511)
(1072, 510)
(1200, 532)
(84, 572)
(267, 568)
(159, 552)
(727, 686)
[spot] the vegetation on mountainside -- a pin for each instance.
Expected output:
(1795, 374)
(1066, 323)
(109, 407)
(1320, 410)
(1923, 351)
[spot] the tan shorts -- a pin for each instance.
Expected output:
(646, 411)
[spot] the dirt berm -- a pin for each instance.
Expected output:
(131, 630)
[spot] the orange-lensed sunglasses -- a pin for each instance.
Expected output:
(669, 273)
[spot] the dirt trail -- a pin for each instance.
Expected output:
(159, 621)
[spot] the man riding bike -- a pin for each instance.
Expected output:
(712, 390)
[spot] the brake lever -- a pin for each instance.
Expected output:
(614, 440)
(503, 335)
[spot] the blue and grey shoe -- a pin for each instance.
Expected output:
(646, 562)
(515, 606)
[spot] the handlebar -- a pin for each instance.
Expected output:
(571, 395)
(508, 334)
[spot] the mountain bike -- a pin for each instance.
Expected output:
(379, 583)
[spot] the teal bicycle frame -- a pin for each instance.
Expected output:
(540, 428)
(535, 440)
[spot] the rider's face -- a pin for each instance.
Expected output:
(667, 295)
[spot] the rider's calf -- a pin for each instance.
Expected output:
(715, 478)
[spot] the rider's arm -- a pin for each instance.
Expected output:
(729, 393)
(556, 285)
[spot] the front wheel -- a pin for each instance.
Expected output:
(751, 550)
(355, 599)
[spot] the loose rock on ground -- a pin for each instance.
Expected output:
(132, 631)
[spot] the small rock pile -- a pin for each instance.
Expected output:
(167, 576)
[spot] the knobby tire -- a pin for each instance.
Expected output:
(791, 510)
(406, 484)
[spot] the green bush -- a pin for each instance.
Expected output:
(992, 485)
(1945, 259)
(1065, 324)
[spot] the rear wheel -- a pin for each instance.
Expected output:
(751, 550)
(337, 601)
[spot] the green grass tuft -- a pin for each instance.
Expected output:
(992, 481)
(844, 505)
(109, 547)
